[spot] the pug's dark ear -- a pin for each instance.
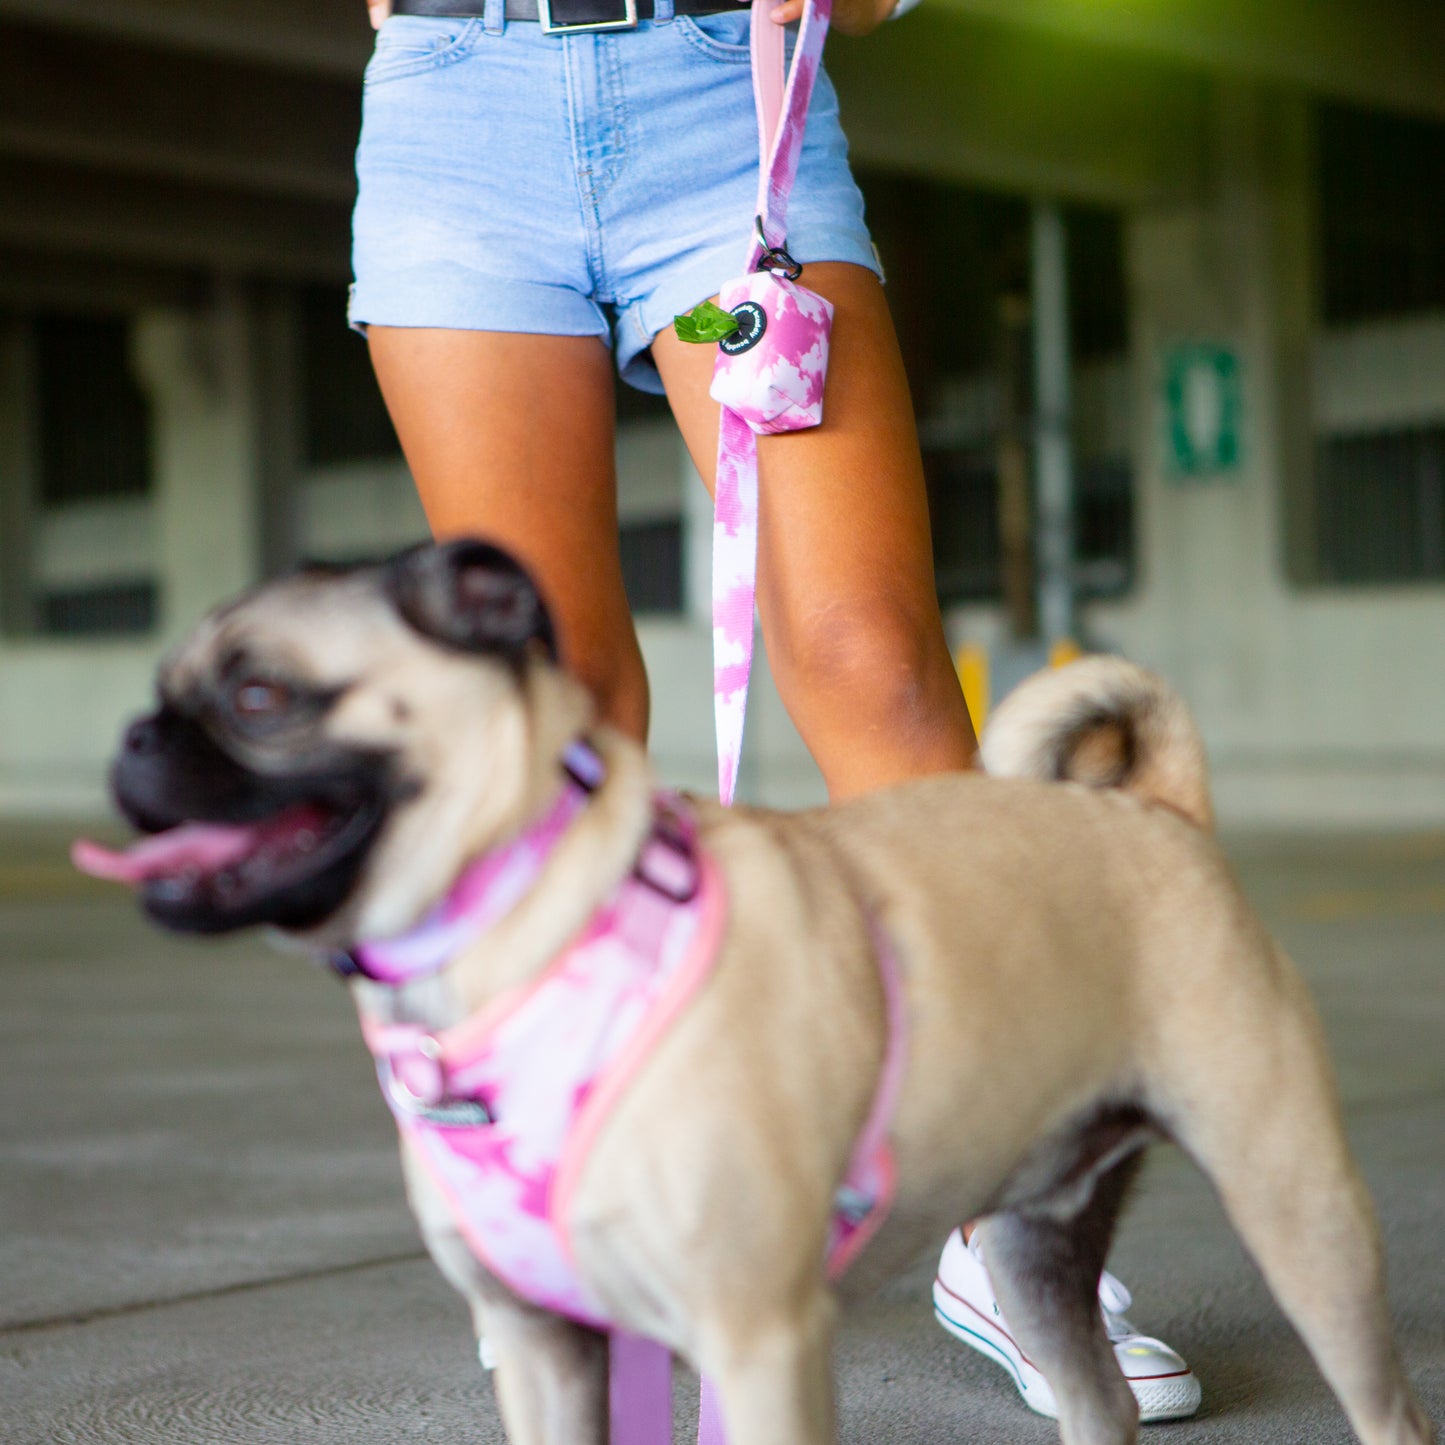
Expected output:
(472, 596)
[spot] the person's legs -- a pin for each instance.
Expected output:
(851, 621)
(845, 567)
(510, 436)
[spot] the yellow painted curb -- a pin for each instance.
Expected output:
(1064, 651)
(971, 662)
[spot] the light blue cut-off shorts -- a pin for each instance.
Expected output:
(580, 185)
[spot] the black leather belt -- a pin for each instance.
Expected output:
(566, 17)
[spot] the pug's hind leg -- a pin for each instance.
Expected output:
(1290, 1187)
(1045, 1272)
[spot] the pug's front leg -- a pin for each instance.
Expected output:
(551, 1376)
(774, 1379)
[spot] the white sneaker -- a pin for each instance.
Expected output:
(964, 1302)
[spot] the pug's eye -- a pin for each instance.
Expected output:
(257, 700)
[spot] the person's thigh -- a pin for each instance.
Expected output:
(510, 436)
(845, 584)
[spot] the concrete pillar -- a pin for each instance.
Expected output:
(17, 477)
(1053, 423)
(198, 369)
(1232, 271)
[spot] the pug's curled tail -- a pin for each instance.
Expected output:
(1106, 723)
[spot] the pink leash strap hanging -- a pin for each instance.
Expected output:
(769, 378)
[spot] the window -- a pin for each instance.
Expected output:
(82, 554)
(94, 422)
(652, 565)
(105, 610)
(345, 419)
(1380, 506)
(958, 280)
(1382, 214)
(651, 533)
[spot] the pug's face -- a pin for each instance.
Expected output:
(330, 750)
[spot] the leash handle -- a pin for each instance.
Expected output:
(782, 107)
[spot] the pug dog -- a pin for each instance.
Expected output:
(1080, 975)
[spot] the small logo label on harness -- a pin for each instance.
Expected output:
(752, 322)
(456, 1114)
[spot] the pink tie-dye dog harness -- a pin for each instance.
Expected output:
(503, 1109)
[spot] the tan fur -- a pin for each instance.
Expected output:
(1106, 723)
(1064, 948)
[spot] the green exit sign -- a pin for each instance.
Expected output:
(1204, 406)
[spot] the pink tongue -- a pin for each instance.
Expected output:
(204, 847)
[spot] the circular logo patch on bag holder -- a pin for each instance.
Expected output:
(752, 322)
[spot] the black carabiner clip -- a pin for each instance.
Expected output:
(776, 258)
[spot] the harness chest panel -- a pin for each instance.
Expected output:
(502, 1110)
(541, 1069)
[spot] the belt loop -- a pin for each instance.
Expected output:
(494, 16)
(662, 12)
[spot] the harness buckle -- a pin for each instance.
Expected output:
(555, 24)
(416, 1076)
(668, 861)
(413, 1076)
(344, 964)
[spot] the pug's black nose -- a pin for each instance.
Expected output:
(142, 737)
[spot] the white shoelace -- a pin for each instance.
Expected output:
(1114, 1299)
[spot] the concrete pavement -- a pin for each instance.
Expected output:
(204, 1238)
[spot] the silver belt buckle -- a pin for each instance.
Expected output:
(563, 27)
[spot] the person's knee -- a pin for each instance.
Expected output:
(866, 663)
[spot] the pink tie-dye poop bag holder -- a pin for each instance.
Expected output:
(770, 365)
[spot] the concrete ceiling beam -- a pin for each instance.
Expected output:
(988, 105)
(80, 212)
(38, 281)
(1384, 53)
(1388, 53)
(83, 99)
(325, 35)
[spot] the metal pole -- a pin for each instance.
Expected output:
(1053, 456)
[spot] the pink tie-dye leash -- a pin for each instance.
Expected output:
(769, 374)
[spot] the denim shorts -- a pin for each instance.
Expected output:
(579, 185)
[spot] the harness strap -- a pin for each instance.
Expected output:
(488, 890)
(870, 1178)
